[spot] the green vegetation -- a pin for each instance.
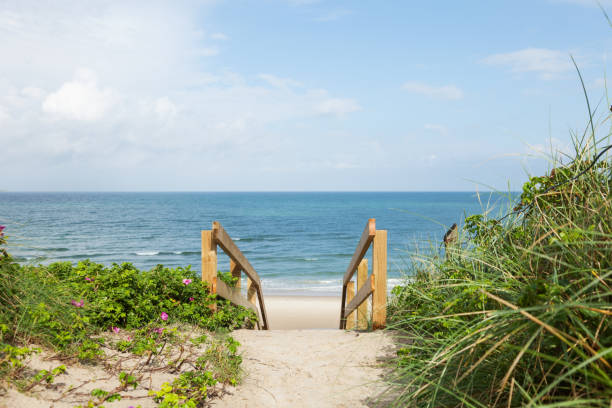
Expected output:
(518, 310)
(73, 310)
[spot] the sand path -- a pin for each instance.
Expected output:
(309, 368)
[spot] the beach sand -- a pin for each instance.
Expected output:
(303, 312)
(304, 361)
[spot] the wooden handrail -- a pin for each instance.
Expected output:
(238, 263)
(375, 285)
(362, 247)
(229, 247)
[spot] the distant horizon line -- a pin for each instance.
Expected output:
(255, 191)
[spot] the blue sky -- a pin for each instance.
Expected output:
(292, 95)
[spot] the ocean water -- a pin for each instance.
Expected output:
(299, 243)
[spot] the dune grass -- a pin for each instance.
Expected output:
(517, 312)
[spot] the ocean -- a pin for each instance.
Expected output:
(299, 243)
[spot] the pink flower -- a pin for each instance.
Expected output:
(164, 316)
(187, 281)
(88, 279)
(115, 330)
(159, 330)
(129, 338)
(191, 299)
(80, 303)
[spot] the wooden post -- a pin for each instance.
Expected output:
(362, 311)
(251, 292)
(350, 294)
(209, 261)
(236, 273)
(379, 270)
(252, 297)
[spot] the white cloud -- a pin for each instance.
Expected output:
(3, 114)
(279, 82)
(165, 108)
(219, 36)
(332, 15)
(548, 64)
(80, 99)
(441, 129)
(553, 147)
(448, 92)
(337, 106)
(149, 95)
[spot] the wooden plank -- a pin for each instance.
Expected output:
(361, 296)
(236, 273)
(234, 296)
(350, 294)
(362, 310)
(379, 270)
(229, 247)
(362, 247)
(209, 260)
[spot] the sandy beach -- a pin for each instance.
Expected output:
(303, 312)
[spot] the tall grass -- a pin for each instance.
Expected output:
(518, 311)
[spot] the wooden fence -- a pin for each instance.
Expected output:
(238, 264)
(354, 314)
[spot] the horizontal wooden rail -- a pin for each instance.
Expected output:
(229, 247)
(375, 285)
(238, 263)
(234, 296)
(362, 247)
(366, 290)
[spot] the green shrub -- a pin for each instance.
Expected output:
(62, 306)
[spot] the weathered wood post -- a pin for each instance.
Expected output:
(251, 292)
(362, 310)
(209, 262)
(236, 273)
(350, 294)
(379, 271)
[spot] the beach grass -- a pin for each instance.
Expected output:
(518, 311)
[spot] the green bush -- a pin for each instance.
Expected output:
(62, 305)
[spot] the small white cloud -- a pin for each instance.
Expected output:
(549, 64)
(32, 92)
(337, 106)
(448, 92)
(332, 15)
(553, 147)
(80, 99)
(219, 36)
(3, 114)
(600, 83)
(443, 130)
(165, 109)
(278, 82)
(207, 52)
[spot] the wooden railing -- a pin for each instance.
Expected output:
(238, 264)
(375, 284)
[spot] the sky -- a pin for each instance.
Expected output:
(293, 95)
